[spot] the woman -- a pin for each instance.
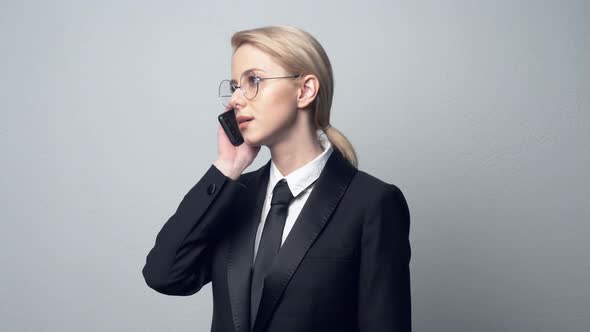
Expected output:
(305, 243)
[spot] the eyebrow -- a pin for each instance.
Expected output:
(249, 69)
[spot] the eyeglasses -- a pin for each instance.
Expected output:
(248, 84)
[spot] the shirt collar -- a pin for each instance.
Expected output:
(304, 176)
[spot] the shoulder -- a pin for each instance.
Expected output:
(375, 194)
(366, 181)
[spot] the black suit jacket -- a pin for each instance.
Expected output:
(343, 267)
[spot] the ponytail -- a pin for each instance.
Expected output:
(342, 144)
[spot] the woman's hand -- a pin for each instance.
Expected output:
(233, 160)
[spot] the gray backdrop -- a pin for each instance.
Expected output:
(477, 110)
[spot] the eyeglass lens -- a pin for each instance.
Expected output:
(248, 85)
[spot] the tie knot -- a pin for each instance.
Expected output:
(281, 194)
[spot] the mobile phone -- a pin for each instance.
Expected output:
(230, 126)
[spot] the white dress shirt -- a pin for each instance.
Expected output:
(301, 182)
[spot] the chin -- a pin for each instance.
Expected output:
(257, 139)
(255, 136)
(251, 139)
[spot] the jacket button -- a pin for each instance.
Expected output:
(211, 189)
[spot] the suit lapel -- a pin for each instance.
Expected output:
(318, 208)
(241, 249)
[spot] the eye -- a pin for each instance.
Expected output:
(252, 79)
(232, 87)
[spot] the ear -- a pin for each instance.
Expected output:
(308, 91)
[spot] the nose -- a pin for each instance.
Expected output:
(237, 100)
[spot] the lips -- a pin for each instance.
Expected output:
(243, 118)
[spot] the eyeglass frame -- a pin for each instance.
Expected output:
(258, 80)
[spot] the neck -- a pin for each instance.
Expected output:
(297, 147)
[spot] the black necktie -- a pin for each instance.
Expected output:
(270, 242)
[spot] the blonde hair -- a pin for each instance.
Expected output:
(299, 52)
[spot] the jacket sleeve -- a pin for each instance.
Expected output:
(384, 277)
(180, 261)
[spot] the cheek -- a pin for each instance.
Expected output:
(274, 109)
(280, 103)
(279, 113)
